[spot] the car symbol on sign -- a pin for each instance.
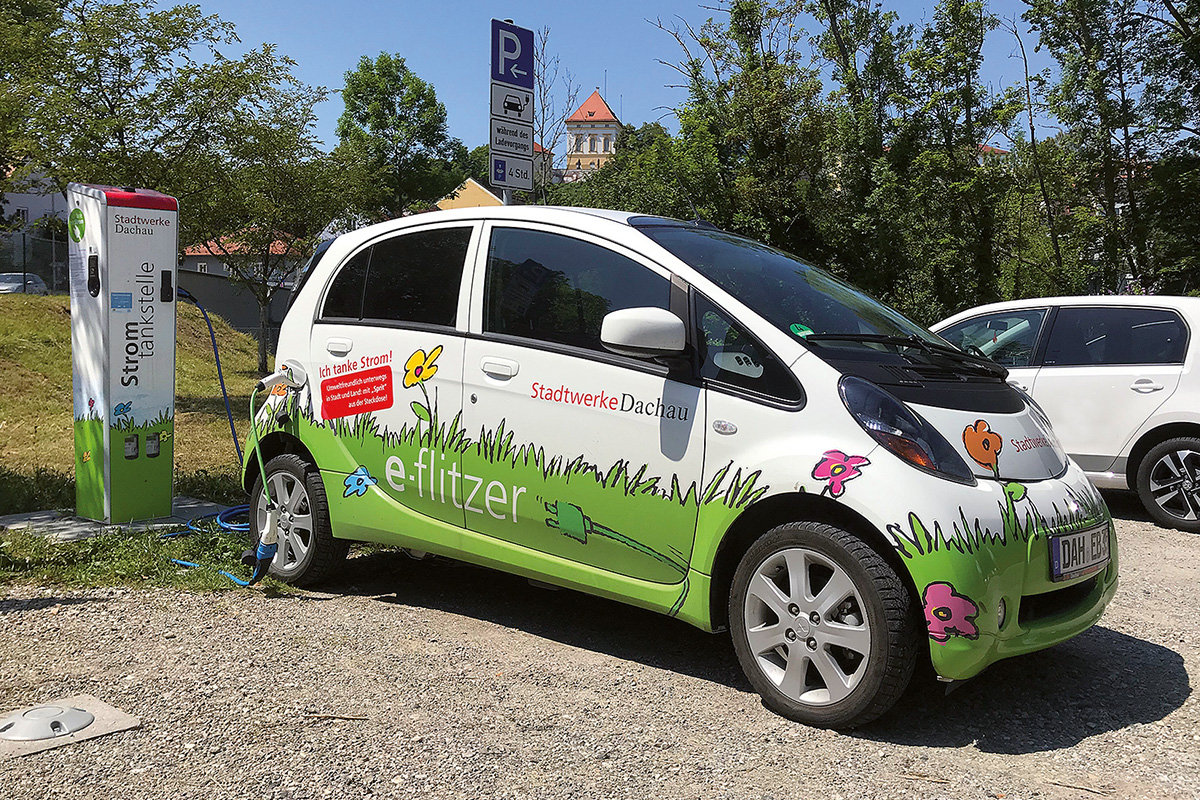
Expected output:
(513, 103)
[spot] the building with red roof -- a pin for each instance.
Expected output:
(591, 137)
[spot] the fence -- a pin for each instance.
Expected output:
(22, 251)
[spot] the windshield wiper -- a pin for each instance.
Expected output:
(930, 348)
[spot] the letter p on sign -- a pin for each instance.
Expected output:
(512, 54)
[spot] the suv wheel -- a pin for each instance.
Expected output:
(822, 625)
(1168, 483)
(307, 553)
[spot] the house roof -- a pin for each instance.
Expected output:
(594, 109)
(469, 194)
(537, 148)
(217, 249)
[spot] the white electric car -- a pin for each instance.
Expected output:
(686, 420)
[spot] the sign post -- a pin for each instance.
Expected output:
(510, 142)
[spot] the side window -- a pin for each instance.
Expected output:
(345, 296)
(728, 355)
(416, 277)
(1112, 335)
(554, 288)
(1006, 337)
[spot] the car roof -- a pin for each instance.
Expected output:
(1189, 305)
(564, 215)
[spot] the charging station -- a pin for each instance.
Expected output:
(123, 250)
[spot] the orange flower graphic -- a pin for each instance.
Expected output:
(420, 367)
(983, 445)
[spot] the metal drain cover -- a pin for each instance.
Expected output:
(44, 722)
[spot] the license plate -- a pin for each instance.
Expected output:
(1075, 554)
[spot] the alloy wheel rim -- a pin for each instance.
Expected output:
(1175, 484)
(806, 626)
(295, 520)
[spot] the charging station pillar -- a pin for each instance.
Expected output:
(123, 250)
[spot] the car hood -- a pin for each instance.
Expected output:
(1019, 446)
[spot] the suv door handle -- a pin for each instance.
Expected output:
(1019, 385)
(338, 346)
(1145, 385)
(499, 368)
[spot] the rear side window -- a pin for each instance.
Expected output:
(1006, 337)
(1106, 336)
(554, 288)
(345, 295)
(730, 356)
(413, 277)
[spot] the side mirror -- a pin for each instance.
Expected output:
(643, 332)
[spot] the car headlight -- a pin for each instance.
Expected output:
(902, 431)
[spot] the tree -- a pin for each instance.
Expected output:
(25, 62)
(394, 120)
(550, 118)
(142, 97)
(276, 192)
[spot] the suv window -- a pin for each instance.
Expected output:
(1112, 335)
(413, 277)
(554, 288)
(1006, 337)
(729, 355)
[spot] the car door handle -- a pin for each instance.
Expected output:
(1145, 386)
(1019, 385)
(338, 346)
(499, 368)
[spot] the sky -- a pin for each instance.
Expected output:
(611, 44)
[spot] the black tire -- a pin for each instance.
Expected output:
(1173, 464)
(888, 628)
(308, 554)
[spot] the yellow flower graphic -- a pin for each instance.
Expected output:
(420, 367)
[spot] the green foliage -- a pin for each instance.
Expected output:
(859, 145)
(394, 120)
(127, 94)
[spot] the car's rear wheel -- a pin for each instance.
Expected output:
(1168, 483)
(823, 626)
(307, 552)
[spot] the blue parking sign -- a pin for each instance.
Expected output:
(512, 54)
(499, 170)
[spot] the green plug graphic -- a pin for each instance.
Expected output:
(570, 521)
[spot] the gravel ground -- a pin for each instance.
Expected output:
(478, 685)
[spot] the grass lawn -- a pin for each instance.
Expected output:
(37, 449)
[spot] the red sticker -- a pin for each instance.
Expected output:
(356, 393)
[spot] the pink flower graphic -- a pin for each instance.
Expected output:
(948, 613)
(837, 468)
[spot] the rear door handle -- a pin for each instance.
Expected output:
(1019, 385)
(1145, 386)
(338, 346)
(499, 368)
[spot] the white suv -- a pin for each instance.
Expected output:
(1117, 376)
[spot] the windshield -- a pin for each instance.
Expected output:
(791, 294)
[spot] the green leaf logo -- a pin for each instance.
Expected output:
(76, 225)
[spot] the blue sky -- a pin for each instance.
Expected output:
(446, 43)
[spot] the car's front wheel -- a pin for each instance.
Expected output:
(307, 552)
(823, 626)
(1168, 483)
